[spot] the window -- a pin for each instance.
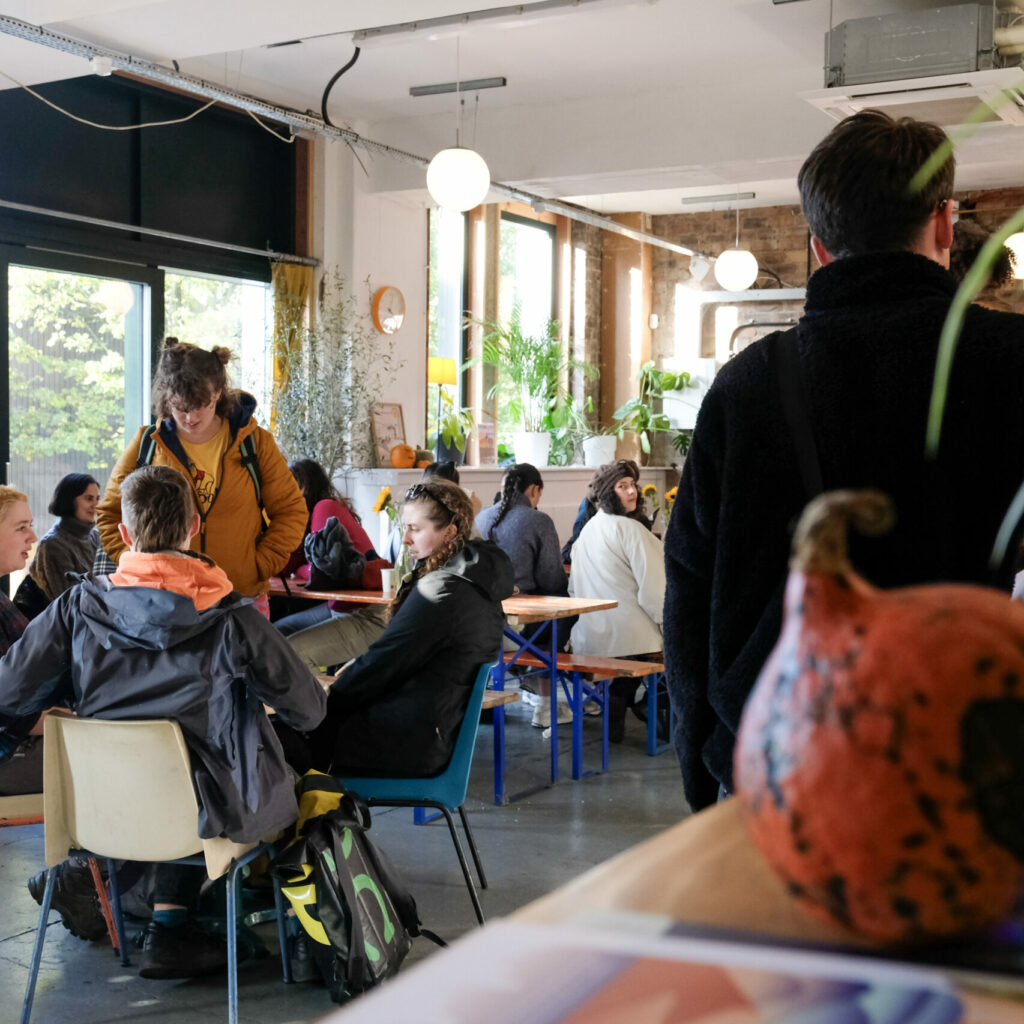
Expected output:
(207, 310)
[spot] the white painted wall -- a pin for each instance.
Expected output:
(376, 239)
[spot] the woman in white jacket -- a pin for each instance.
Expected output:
(617, 556)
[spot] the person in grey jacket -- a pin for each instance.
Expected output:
(529, 538)
(167, 637)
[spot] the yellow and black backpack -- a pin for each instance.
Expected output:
(347, 896)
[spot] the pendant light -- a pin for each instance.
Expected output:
(736, 268)
(458, 178)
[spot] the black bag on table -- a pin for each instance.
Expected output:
(334, 563)
(347, 896)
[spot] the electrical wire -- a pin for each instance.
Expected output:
(330, 85)
(109, 127)
(266, 127)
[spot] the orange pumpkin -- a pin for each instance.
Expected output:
(403, 456)
(423, 463)
(880, 757)
(424, 457)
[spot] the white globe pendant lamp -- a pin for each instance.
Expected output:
(458, 178)
(736, 268)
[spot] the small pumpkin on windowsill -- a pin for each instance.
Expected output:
(880, 757)
(403, 456)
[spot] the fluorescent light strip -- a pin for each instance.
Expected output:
(724, 197)
(472, 86)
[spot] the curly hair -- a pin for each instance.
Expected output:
(446, 505)
(9, 497)
(516, 481)
(187, 377)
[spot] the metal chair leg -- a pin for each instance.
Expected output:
(37, 949)
(463, 864)
(472, 847)
(115, 907)
(233, 881)
(282, 935)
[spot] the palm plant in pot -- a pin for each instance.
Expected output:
(533, 368)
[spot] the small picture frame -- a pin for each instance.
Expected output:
(388, 429)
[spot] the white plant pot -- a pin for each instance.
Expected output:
(599, 450)
(531, 447)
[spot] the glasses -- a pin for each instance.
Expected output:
(426, 491)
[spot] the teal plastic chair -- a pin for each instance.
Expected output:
(445, 792)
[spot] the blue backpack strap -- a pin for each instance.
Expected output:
(251, 462)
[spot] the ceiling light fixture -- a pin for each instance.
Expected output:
(458, 178)
(736, 268)
(474, 86)
(725, 197)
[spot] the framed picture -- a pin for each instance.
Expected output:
(388, 429)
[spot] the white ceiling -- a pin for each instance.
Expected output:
(619, 104)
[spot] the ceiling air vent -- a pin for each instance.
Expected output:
(995, 97)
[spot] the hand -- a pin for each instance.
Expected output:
(338, 674)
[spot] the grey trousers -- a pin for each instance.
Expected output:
(341, 638)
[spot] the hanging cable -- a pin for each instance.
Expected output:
(107, 127)
(330, 85)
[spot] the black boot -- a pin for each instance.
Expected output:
(183, 952)
(74, 898)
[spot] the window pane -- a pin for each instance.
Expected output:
(73, 392)
(209, 311)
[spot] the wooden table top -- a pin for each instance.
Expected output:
(521, 609)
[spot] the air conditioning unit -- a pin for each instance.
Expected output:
(940, 65)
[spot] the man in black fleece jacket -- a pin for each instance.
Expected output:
(866, 349)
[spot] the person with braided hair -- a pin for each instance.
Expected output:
(529, 538)
(396, 710)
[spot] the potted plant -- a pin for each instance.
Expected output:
(453, 427)
(639, 416)
(533, 366)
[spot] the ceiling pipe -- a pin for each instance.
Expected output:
(299, 122)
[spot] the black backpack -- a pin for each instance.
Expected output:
(347, 896)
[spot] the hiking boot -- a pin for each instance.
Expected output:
(74, 898)
(183, 952)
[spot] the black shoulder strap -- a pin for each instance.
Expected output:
(147, 447)
(251, 462)
(784, 362)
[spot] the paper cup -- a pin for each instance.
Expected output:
(389, 582)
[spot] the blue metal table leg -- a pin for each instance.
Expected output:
(553, 700)
(577, 725)
(604, 684)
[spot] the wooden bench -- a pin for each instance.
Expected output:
(598, 670)
(497, 698)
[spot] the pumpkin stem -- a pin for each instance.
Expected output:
(819, 544)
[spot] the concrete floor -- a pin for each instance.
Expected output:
(528, 848)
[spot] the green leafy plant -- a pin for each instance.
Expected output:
(455, 424)
(533, 365)
(337, 368)
(638, 415)
(569, 425)
(681, 442)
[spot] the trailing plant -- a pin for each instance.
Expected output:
(638, 415)
(681, 442)
(337, 367)
(568, 424)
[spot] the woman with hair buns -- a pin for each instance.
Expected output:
(617, 556)
(200, 431)
(396, 710)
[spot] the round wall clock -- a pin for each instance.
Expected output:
(388, 309)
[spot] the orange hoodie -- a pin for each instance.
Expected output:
(182, 574)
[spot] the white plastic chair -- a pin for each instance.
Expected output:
(123, 790)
